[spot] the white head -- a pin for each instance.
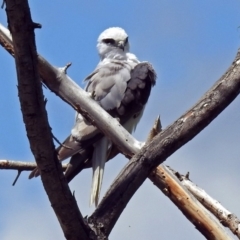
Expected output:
(113, 41)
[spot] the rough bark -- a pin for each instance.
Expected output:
(36, 123)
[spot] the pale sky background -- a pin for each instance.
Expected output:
(190, 44)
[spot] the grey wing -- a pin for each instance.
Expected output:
(142, 79)
(108, 83)
(122, 91)
(137, 91)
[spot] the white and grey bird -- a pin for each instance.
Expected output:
(121, 84)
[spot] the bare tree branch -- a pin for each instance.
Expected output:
(168, 183)
(224, 91)
(225, 217)
(19, 165)
(36, 123)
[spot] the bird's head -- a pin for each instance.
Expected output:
(113, 41)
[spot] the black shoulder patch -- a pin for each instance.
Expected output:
(143, 77)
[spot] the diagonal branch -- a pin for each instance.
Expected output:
(194, 211)
(227, 218)
(36, 122)
(168, 183)
(224, 91)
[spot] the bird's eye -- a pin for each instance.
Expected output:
(109, 41)
(126, 40)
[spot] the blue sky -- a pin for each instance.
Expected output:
(190, 44)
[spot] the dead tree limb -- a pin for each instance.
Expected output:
(17, 165)
(36, 123)
(195, 212)
(20, 165)
(168, 183)
(226, 218)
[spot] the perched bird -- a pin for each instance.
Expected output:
(121, 84)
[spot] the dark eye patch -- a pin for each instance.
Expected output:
(126, 40)
(109, 41)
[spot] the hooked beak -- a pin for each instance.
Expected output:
(121, 45)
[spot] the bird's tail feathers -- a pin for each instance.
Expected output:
(98, 163)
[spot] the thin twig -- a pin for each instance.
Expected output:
(18, 175)
(3, 4)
